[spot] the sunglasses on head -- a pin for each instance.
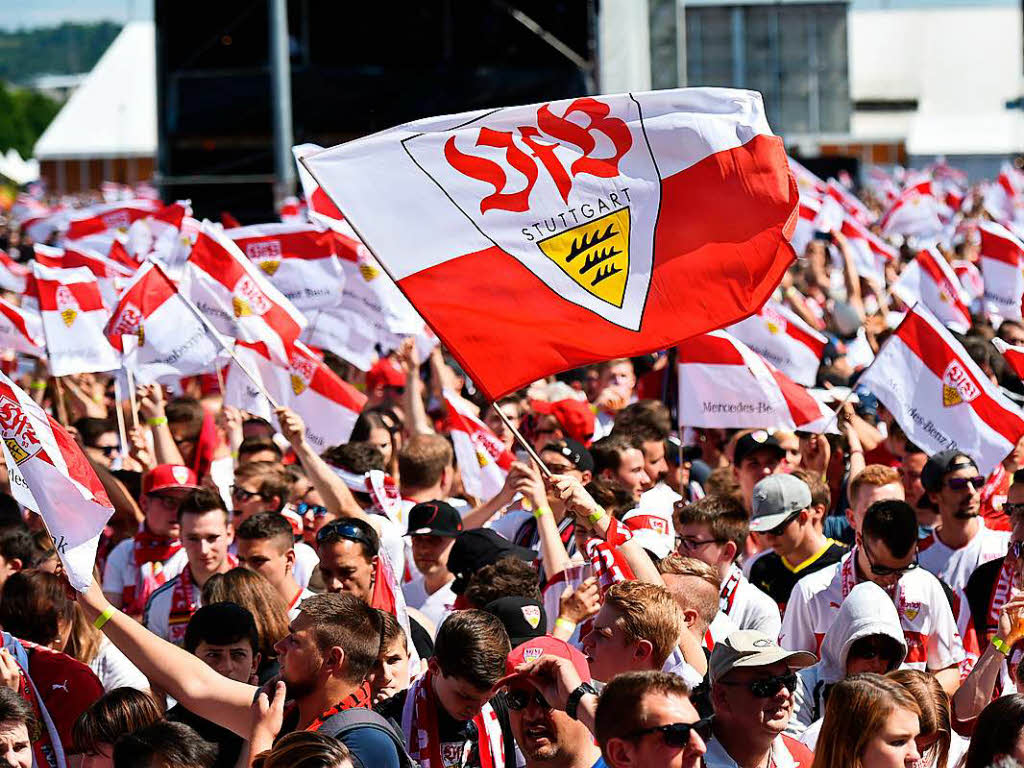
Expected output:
(342, 529)
(678, 734)
(960, 483)
(316, 510)
(766, 687)
(519, 699)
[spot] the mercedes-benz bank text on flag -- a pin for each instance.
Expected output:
(939, 396)
(50, 475)
(573, 231)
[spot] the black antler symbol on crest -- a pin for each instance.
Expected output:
(585, 243)
(604, 273)
(594, 258)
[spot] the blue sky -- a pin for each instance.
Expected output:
(46, 13)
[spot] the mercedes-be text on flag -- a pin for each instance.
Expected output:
(539, 238)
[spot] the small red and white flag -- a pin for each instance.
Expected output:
(870, 252)
(619, 224)
(784, 340)
(939, 396)
(1012, 354)
(1002, 266)
(117, 216)
(298, 259)
(13, 274)
(913, 215)
(160, 336)
(73, 318)
(930, 280)
(809, 184)
(804, 231)
(853, 207)
(50, 475)
(236, 296)
(723, 383)
(156, 231)
(21, 330)
(970, 278)
(319, 206)
(328, 404)
(111, 276)
(482, 457)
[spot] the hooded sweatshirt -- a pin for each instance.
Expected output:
(866, 611)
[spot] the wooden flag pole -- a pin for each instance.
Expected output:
(122, 434)
(62, 409)
(522, 441)
(131, 397)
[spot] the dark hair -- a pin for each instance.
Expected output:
(472, 645)
(14, 709)
(272, 477)
(370, 420)
(186, 410)
(32, 606)
(10, 514)
(221, 623)
(164, 744)
(112, 715)
(894, 523)
(90, 428)
(304, 749)
(267, 525)
(357, 457)
(200, 500)
(997, 731)
(19, 544)
(252, 445)
(391, 632)
(645, 421)
(609, 494)
(607, 452)
(371, 544)
(618, 710)
(422, 460)
(345, 621)
(508, 577)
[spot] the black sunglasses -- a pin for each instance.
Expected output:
(109, 450)
(343, 529)
(766, 687)
(884, 570)
(519, 699)
(960, 483)
(869, 650)
(678, 734)
(238, 492)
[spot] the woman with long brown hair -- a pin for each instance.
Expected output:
(870, 722)
(940, 746)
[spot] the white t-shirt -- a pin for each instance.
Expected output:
(115, 670)
(306, 561)
(294, 608)
(717, 757)
(955, 566)
(222, 473)
(509, 524)
(720, 628)
(933, 641)
(121, 572)
(157, 616)
(748, 606)
(434, 606)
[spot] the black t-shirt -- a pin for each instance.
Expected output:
(456, 734)
(229, 744)
(773, 576)
(979, 598)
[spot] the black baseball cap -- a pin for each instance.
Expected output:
(574, 451)
(523, 618)
(434, 518)
(475, 548)
(757, 440)
(940, 465)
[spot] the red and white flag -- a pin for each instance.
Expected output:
(298, 259)
(328, 404)
(110, 216)
(723, 383)
(804, 231)
(483, 459)
(160, 336)
(1012, 354)
(577, 230)
(870, 252)
(50, 475)
(930, 280)
(1002, 266)
(158, 230)
(939, 396)
(236, 296)
(111, 276)
(73, 317)
(809, 184)
(21, 330)
(851, 205)
(913, 215)
(13, 274)
(784, 340)
(319, 206)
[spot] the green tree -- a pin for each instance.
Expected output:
(24, 115)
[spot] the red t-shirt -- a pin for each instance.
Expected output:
(800, 753)
(66, 686)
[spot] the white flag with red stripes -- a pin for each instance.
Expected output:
(13, 274)
(853, 207)
(913, 215)
(939, 396)
(809, 184)
(870, 252)
(1012, 354)
(931, 281)
(50, 475)
(318, 205)
(110, 275)
(21, 330)
(298, 259)
(482, 457)
(328, 405)
(73, 318)
(161, 337)
(723, 383)
(804, 231)
(108, 217)
(1002, 266)
(236, 296)
(784, 340)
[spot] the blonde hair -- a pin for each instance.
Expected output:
(649, 612)
(856, 711)
(935, 711)
(701, 597)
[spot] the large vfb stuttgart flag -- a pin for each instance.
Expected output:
(939, 396)
(573, 231)
(50, 475)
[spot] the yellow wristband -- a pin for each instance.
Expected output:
(1001, 646)
(37, 385)
(157, 421)
(104, 617)
(596, 517)
(539, 512)
(565, 624)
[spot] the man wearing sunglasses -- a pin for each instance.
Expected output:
(752, 684)
(885, 553)
(960, 542)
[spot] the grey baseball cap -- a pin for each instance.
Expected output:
(776, 497)
(750, 648)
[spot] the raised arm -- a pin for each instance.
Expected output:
(151, 406)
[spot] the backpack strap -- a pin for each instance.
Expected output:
(346, 721)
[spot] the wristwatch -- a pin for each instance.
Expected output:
(573, 702)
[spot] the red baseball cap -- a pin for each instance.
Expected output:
(546, 645)
(575, 416)
(384, 373)
(169, 477)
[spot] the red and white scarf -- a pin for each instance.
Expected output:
(1000, 592)
(419, 725)
(184, 602)
(728, 594)
(152, 550)
(848, 580)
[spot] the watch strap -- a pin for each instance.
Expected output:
(573, 702)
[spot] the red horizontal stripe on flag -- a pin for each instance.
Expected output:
(999, 248)
(802, 406)
(710, 350)
(813, 343)
(292, 245)
(87, 295)
(927, 262)
(208, 255)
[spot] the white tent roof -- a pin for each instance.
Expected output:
(17, 170)
(113, 113)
